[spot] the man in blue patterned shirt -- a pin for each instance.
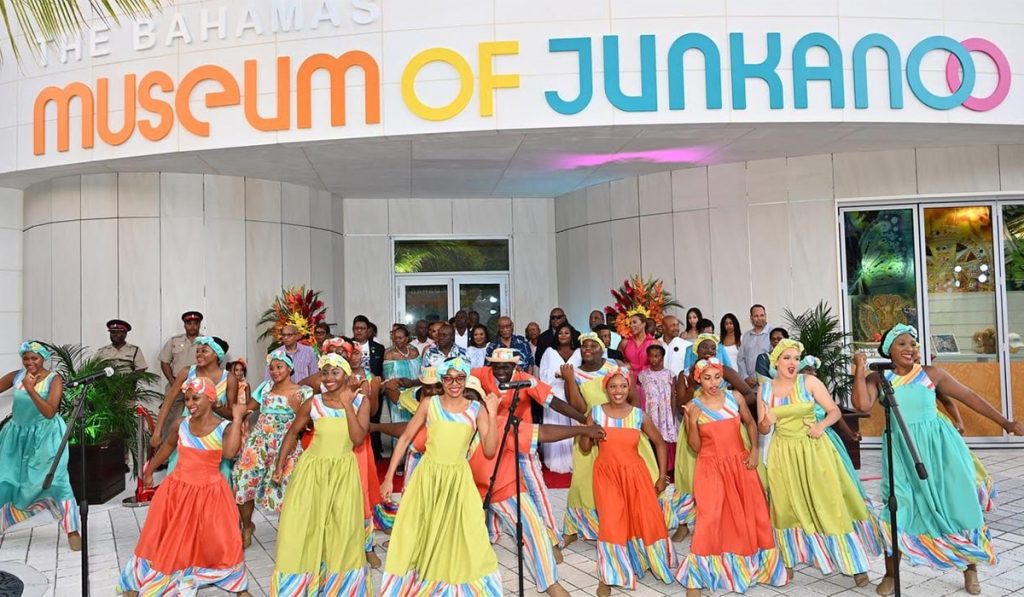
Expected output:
(506, 339)
(445, 349)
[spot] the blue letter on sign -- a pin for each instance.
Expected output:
(833, 73)
(940, 42)
(647, 101)
(712, 70)
(860, 70)
(586, 64)
(741, 71)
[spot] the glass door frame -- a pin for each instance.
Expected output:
(405, 280)
(917, 207)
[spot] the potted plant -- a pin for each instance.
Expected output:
(111, 423)
(822, 336)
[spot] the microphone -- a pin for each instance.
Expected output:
(880, 367)
(517, 385)
(81, 381)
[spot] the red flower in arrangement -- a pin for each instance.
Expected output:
(297, 307)
(638, 296)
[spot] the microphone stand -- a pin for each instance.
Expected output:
(511, 426)
(892, 409)
(77, 422)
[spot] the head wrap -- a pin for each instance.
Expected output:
(702, 337)
(593, 337)
(201, 385)
(281, 355)
(457, 363)
(783, 345)
(897, 330)
(336, 341)
(216, 348)
(622, 372)
(331, 359)
(810, 361)
(34, 346)
(704, 364)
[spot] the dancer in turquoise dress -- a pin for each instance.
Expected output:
(28, 444)
(941, 523)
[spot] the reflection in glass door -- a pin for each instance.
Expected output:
(423, 298)
(437, 298)
(485, 296)
(962, 304)
(1013, 272)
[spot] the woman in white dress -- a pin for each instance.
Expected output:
(557, 455)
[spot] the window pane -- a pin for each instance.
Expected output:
(427, 301)
(880, 272)
(485, 299)
(417, 256)
(962, 304)
(1013, 248)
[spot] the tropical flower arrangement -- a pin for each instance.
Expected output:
(296, 306)
(636, 296)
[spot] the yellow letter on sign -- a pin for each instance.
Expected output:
(456, 61)
(490, 81)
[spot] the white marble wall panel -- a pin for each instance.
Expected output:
(873, 174)
(320, 209)
(565, 291)
(770, 259)
(67, 198)
(38, 207)
(809, 178)
(576, 209)
(296, 256)
(599, 253)
(337, 215)
(958, 169)
(419, 216)
(814, 254)
(224, 197)
(295, 204)
(657, 250)
(655, 191)
(66, 275)
(99, 195)
(1011, 167)
(262, 277)
(625, 197)
(598, 203)
(692, 242)
(730, 261)
(727, 185)
(689, 189)
(10, 298)
(337, 314)
(183, 255)
(322, 266)
(225, 280)
(365, 216)
(533, 216)
(482, 216)
(181, 195)
(626, 253)
(577, 304)
(534, 283)
(262, 200)
(38, 318)
(99, 281)
(139, 280)
(766, 181)
(368, 279)
(138, 195)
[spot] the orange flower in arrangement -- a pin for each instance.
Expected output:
(297, 307)
(637, 296)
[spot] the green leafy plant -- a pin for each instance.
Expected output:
(110, 402)
(822, 335)
(54, 19)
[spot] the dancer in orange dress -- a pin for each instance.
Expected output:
(733, 545)
(191, 536)
(632, 536)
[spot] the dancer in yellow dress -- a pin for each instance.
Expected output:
(439, 545)
(322, 530)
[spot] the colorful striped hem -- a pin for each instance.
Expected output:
(64, 511)
(847, 554)
(731, 572)
(368, 534)
(685, 508)
(945, 552)
(384, 515)
(412, 586)
(622, 565)
(352, 583)
(667, 503)
(581, 522)
(139, 575)
(987, 493)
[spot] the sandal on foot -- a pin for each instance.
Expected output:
(75, 541)
(971, 584)
(886, 587)
(681, 533)
(568, 540)
(861, 580)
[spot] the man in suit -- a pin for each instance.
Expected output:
(373, 361)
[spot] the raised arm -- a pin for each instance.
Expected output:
(865, 386)
(738, 384)
(948, 385)
(233, 434)
(165, 407)
(49, 406)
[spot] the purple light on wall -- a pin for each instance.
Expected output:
(674, 155)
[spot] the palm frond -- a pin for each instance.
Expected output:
(55, 19)
(822, 335)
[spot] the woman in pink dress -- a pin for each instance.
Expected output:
(634, 346)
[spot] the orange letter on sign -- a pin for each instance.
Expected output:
(103, 111)
(155, 132)
(230, 96)
(284, 97)
(62, 97)
(338, 67)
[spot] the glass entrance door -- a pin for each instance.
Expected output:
(424, 298)
(1012, 225)
(437, 298)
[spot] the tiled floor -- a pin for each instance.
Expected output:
(35, 545)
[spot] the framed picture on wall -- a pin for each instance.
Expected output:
(945, 344)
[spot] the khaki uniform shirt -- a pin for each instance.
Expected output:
(128, 356)
(179, 352)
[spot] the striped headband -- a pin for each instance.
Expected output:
(333, 359)
(34, 346)
(209, 341)
(897, 330)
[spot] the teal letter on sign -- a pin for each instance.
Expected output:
(833, 73)
(586, 64)
(860, 70)
(940, 42)
(647, 101)
(712, 70)
(742, 70)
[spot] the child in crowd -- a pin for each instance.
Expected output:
(657, 386)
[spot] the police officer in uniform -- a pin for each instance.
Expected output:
(128, 357)
(179, 352)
